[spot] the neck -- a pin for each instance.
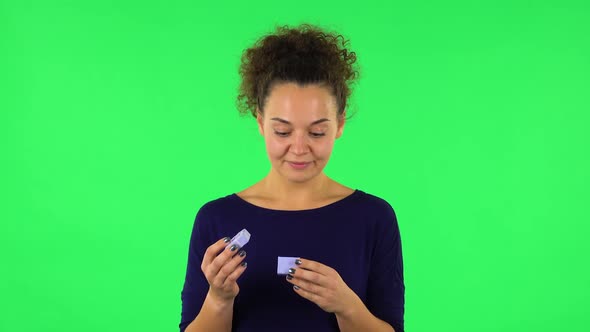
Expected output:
(288, 191)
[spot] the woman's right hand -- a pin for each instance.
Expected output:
(222, 267)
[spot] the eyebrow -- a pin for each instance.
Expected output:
(313, 123)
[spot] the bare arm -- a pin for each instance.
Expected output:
(359, 318)
(221, 269)
(215, 315)
(323, 285)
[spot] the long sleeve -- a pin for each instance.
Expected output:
(386, 289)
(372, 264)
(195, 284)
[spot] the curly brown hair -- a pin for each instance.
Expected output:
(305, 55)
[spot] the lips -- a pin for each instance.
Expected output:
(299, 166)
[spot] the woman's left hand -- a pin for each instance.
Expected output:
(323, 286)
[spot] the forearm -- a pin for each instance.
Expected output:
(359, 318)
(214, 316)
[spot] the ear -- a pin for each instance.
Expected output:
(260, 121)
(341, 124)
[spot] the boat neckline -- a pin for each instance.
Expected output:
(330, 205)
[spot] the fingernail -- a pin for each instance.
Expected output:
(295, 287)
(233, 247)
(244, 264)
(291, 270)
(242, 253)
(289, 277)
(226, 239)
(298, 261)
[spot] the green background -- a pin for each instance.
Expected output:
(117, 122)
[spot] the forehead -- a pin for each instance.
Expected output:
(293, 102)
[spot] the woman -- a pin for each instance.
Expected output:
(349, 275)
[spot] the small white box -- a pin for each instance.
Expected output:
(285, 263)
(240, 239)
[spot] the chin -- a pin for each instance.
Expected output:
(300, 180)
(300, 177)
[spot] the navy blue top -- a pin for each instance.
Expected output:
(358, 236)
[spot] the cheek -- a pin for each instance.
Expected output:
(277, 148)
(324, 149)
(274, 147)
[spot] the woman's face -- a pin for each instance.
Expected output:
(299, 126)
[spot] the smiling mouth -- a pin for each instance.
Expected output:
(299, 165)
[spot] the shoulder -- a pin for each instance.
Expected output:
(383, 222)
(216, 204)
(377, 205)
(212, 209)
(378, 214)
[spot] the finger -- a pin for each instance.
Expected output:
(318, 267)
(220, 260)
(227, 253)
(306, 285)
(216, 270)
(236, 274)
(306, 294)
(214, 250)
(230, 266)
(309, 275)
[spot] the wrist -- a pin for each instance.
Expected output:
(354, 308)
(219, 304)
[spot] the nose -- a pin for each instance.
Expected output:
(299, 144)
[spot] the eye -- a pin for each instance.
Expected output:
(315, 135)
(281, 134)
